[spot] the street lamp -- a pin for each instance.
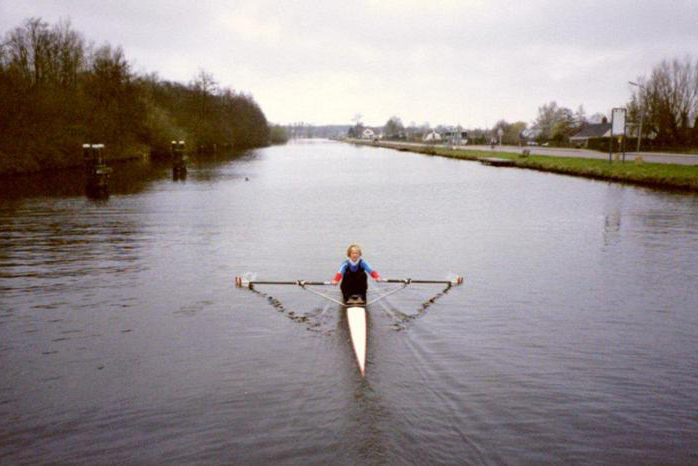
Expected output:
(642, 114)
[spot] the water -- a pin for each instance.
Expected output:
(123, 339)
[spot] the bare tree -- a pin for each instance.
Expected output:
(668, 101)
(580, 117)
(393, 127)
(205, 85)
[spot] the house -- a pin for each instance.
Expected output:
(432, 136)
(368, 134)
(591, 131)
(456, 137)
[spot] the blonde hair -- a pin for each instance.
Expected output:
(354, 246)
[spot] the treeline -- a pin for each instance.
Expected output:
(58, 92)
(662, 113)
(663, 110)
(666, 103)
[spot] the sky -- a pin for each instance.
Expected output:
(468, 62)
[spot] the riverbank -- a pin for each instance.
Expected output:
(59, 160)
(665, 176)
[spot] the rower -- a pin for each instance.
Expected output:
(352, 272)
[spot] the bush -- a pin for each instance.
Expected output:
(278, 135)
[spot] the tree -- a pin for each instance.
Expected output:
(56, 93)
(510, 131)
(668, 102)
(547, 115)
(278, 135)
(358, 128)
(564, 127)
(393, 128)
(597, 118)
(555, 123)
(205, 85)
(580, 118)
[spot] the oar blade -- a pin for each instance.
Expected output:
(241, 282)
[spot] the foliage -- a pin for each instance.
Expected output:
(558, 124)
(358, 127)
(393, 128)
(667, 101)
(511, 131)
(56, 93)
(278, 135)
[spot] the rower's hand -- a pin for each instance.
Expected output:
(334, 282)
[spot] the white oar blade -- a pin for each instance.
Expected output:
(242, 282)
(356, 316)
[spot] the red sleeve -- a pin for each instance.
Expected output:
(375, 275)
(338, 277)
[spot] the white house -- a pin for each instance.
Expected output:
(368, 134)
(432, 136)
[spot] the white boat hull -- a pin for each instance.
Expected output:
(356, 317)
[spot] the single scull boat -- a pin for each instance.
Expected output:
(356, 319)
(355, 306)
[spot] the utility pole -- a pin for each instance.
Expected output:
(642, 114)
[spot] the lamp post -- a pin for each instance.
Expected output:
(642, 114)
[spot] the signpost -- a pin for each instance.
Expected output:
(617, 128)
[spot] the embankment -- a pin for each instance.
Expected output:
(663, 176)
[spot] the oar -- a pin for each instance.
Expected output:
(408, 281)
(456, 281)
(241, 282)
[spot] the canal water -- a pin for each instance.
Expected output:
(123, 340)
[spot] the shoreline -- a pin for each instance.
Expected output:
(76, 163)
(664, 176)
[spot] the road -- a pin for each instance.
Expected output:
(652, 157)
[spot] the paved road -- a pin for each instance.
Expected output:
(653, 157)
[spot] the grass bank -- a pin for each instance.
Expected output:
(655, 175)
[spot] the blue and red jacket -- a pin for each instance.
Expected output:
(354, 266)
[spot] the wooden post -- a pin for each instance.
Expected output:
(97, 172)
(179, 163)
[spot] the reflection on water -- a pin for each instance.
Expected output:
(124, 340)
(130, 177)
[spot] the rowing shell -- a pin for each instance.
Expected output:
(356, 317)
(356, 308)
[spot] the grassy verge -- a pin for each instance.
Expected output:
(656, 175)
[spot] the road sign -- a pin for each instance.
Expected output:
(618, 121)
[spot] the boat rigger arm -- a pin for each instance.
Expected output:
(241, 282)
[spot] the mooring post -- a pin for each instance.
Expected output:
(96, 170)
(87, 157)
(179, 163)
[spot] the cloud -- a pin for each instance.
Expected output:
(448, 61)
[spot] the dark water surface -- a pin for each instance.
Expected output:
(574, 338)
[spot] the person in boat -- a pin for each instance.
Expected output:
(353, 272)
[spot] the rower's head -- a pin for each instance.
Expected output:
(354, 252)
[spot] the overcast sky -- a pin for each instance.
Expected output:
(468, 62)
